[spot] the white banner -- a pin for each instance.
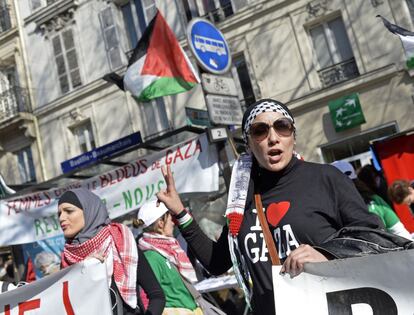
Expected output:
(373, 285)
(79, 289)
(33, 217)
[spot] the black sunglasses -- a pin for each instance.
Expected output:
(260, 130)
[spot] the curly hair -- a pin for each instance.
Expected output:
(399, 190)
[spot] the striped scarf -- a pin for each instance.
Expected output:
(170, 249)
(114, 240)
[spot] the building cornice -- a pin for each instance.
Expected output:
(254, 12)
(75, 96)
(53, 17)
(8, 36)
(316, 98)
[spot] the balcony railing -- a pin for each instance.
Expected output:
(5, 22)
(13, 102)
(338, 73)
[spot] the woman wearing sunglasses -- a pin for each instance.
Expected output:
(304, 203)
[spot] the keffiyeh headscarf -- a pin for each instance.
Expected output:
(115, 241)
(263, 106)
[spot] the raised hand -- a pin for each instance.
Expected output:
(170, 197)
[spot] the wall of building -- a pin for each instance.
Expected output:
(273, 37)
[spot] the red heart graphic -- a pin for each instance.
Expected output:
(276, 211)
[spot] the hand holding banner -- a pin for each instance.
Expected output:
(378, 284)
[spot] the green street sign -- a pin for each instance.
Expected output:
(346, 112)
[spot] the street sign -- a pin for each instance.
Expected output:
(218, 84)
(197, 117)
(208, 46)
(346, 112)
(224, 110)
(217, 134)
(102, 152)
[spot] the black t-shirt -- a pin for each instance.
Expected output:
(304, 204)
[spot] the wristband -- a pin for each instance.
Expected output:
(184, 218)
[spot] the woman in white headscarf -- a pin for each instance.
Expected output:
(167, 259)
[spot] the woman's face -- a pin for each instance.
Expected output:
(410, 198)
(275, 151)
(71, 219)
(167, 229)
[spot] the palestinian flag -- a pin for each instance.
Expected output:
(406, 37)
(158, 65)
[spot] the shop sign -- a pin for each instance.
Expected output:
(346, 112)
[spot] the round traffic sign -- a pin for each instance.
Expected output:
(208, 46)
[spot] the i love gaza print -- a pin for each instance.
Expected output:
(283, 235)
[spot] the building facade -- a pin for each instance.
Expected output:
(19, 150)
(304, 53)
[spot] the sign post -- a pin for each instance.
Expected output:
(208, 46)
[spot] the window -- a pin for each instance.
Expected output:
(111, 38)
(137, 14)
(410, 4)
(26, 165)
(35, 4)
(156, 119)
(8, 104)
(5, 22)
(333, 52)
(85, 137)
(241, 72)
(218, 10)
(66, 61)
(190, 9)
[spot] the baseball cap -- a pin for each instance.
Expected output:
(149, 212)
(346, 168)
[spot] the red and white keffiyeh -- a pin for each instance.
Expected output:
(114, 240)
(170, 249)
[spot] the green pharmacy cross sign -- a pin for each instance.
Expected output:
(346, 112)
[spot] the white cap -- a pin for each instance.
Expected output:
(346, 168)
(149, 212)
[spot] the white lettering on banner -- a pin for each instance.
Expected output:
(30, 218)
(378, 284)
(63, 293)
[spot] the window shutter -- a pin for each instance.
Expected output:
(111, 38)
(149, 9)
(36, 4)
(60, 64)
(238, 4)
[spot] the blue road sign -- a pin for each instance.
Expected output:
(208, 46)
(102, 152)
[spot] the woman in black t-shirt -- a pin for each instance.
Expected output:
(304, 204)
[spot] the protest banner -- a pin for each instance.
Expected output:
(63, 292)
(377, 284)
(33, 217)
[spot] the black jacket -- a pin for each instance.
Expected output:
(362, 241)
